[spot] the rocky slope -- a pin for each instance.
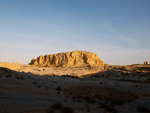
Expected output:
(13, 66)
(68, 59)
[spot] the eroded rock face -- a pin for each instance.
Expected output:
(68, 59)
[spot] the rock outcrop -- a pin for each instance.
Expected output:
(13, 66)
(68, 59)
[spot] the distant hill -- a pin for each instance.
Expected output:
(68, 59)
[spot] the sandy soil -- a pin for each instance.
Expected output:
(77, 71)
(34, 90)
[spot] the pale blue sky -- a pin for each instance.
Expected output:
(118, 31)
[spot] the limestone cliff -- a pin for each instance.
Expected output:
(68, 59)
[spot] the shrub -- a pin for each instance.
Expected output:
(34, 82)
(103, 105)
(101, 82)
(79, 100)
(58, 88)
(21, 78)
(88, 109)
(111, 108)
(38, 86)
(67, 110)
(148, 80)
(90, 100)
(57, 106)
(98, 96)
(142, 109)
(117, 102)
(108, 107)
(75, 77)
(65, 100)
(8, 75)
(50, 111)
(73, 98)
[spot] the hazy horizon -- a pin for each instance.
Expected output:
(116, 30)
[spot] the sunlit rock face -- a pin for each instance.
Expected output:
(12, 66)
(68, 59)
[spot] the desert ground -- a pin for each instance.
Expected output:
(107, 89)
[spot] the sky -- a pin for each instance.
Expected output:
(118, 31)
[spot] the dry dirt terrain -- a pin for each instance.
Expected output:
(107, 89)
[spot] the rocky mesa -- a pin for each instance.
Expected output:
(68, 59)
